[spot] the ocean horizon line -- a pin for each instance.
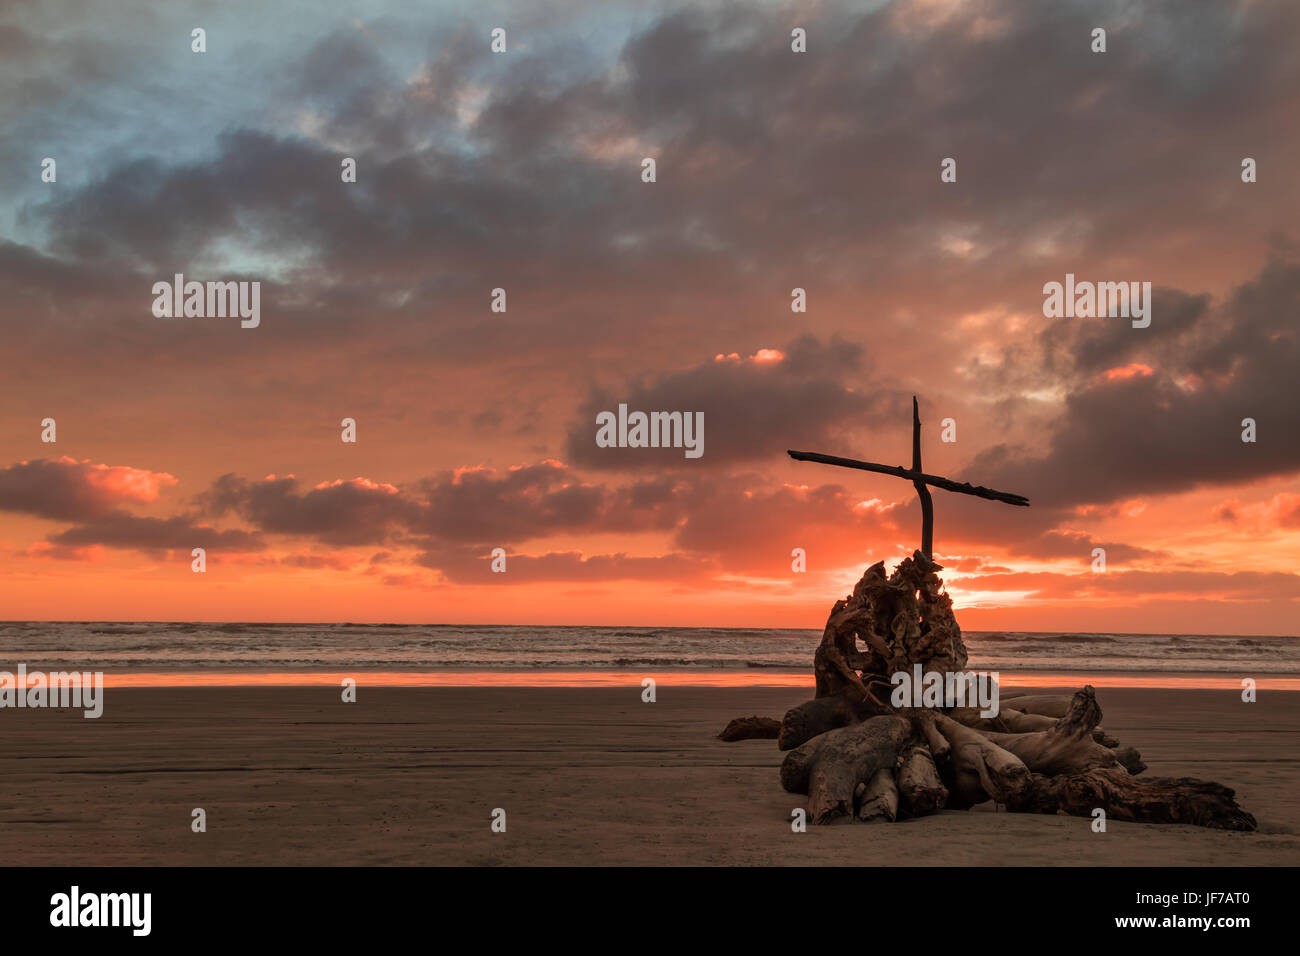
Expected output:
(648, 627)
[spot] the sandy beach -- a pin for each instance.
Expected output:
(410, 776)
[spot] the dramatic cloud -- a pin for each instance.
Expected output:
(121, 530)
(477, 505)
(754, 407)
(1179, 423)
(352, 512)
(69, 490)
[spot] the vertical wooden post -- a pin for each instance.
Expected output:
(922, 490)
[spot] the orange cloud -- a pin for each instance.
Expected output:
(1123, 372)
(67, 489)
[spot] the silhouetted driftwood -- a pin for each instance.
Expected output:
(858, 757)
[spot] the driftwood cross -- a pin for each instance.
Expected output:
(919, 480)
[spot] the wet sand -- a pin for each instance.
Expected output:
(411, 776)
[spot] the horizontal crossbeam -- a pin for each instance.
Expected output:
(961, 487)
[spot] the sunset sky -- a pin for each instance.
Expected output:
(522, 170)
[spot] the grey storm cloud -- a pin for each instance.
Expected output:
(475, 505)
(343, 512)
(753, 408)
(1177, 423)
(775, 171)
(765, 155)
(533, 501)
(119, 529)
(1071, 347)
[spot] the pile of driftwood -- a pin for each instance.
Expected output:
(857, 757)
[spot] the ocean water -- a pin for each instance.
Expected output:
(198, 647)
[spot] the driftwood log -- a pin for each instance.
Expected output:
(830, 767)
(747, 728)
(878, 798)
(860, 757)
(919, 787)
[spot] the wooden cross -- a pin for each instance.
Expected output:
(919, 480)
